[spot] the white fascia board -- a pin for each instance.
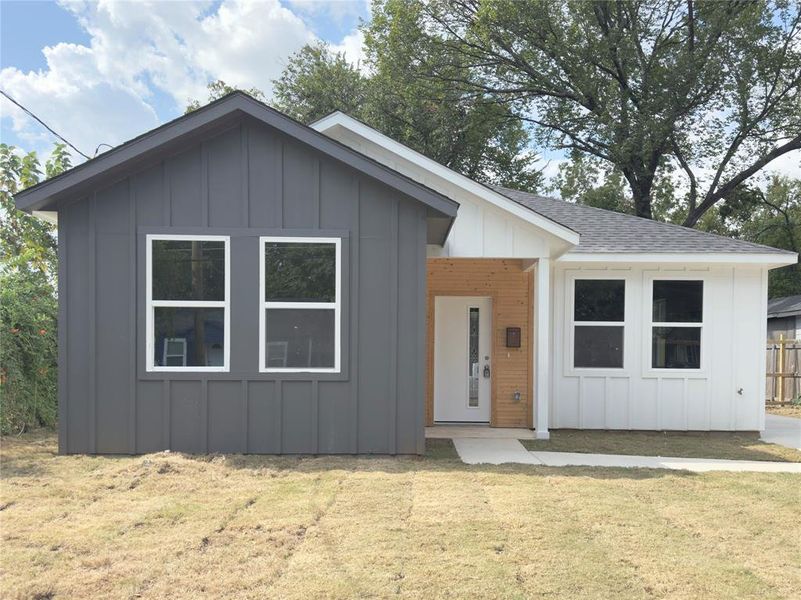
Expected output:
(766, 259)
(339, 119)
(51, 216)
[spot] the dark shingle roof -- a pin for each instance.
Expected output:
(611, 232)
(784, 307)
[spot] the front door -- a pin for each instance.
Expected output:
(462, 359)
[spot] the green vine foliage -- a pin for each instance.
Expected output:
(28, 301)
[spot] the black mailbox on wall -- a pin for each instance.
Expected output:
(512, 337)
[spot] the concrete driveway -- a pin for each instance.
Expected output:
(785, 431)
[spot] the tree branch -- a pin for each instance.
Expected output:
(714, 196)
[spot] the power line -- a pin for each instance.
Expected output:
(45, 125)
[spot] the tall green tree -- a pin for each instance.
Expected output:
(708, 87)
(588, 181)
(28, 304)
(317, 82)
(470, 133)
(770, 215)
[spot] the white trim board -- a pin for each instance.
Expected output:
(336, 306)
(769, 259)
(151, 305)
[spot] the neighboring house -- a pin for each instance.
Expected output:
(234, 281)
(784, 318)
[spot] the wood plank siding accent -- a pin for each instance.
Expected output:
(510, 288)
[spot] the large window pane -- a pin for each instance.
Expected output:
(676, 348)
(678, 301)
(191, 337)
(598, 347)
(299, 272)
(299, 338)
(188, 270)
(599, 300)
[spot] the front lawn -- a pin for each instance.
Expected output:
(733, 446)
(788, 410)
(176, 526)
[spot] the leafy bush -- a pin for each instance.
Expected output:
(28, 373)
(28, 304)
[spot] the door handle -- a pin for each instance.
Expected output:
(486, 372)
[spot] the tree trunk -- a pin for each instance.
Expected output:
(641, 192)
(692, 218)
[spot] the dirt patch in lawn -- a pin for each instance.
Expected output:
(176, 526)
(733, 446)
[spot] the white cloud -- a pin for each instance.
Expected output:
(788, 164)
(352, 46)
(71, 99)
(105, 91)
(247, 44)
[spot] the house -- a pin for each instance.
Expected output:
(783, 318)
(235, 281)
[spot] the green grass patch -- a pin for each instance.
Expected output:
(440, 449)
(732, 446)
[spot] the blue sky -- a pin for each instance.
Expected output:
(103, 72)
(21, 42)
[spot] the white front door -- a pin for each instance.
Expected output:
(462, 359)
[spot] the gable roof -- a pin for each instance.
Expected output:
(560, 231)
(607, 232)
(784, 307)
(213, 117)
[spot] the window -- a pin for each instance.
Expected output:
(598, 323)
(676, 323)
(299, 321)
(472, 356)
(188, 288)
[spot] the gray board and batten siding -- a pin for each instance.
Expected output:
(246, 181)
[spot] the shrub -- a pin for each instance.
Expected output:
(28, 352)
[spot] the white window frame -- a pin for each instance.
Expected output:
(336, 306)
(570, 357)
(650, 324)
(151, 304)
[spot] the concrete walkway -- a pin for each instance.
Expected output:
(474, 451)
(493, 451)
(785, 431)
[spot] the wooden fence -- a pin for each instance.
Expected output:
(784, 371)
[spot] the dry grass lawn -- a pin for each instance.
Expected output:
(176, 526)
(733, 446)
(788, 410)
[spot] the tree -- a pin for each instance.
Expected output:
(770, 216)
(317, 82)
(708, 87)
(218, 89)
(28, 305)
(588, 181)
(467, 132)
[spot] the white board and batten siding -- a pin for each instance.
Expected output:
(482, 229)
(726, 393)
